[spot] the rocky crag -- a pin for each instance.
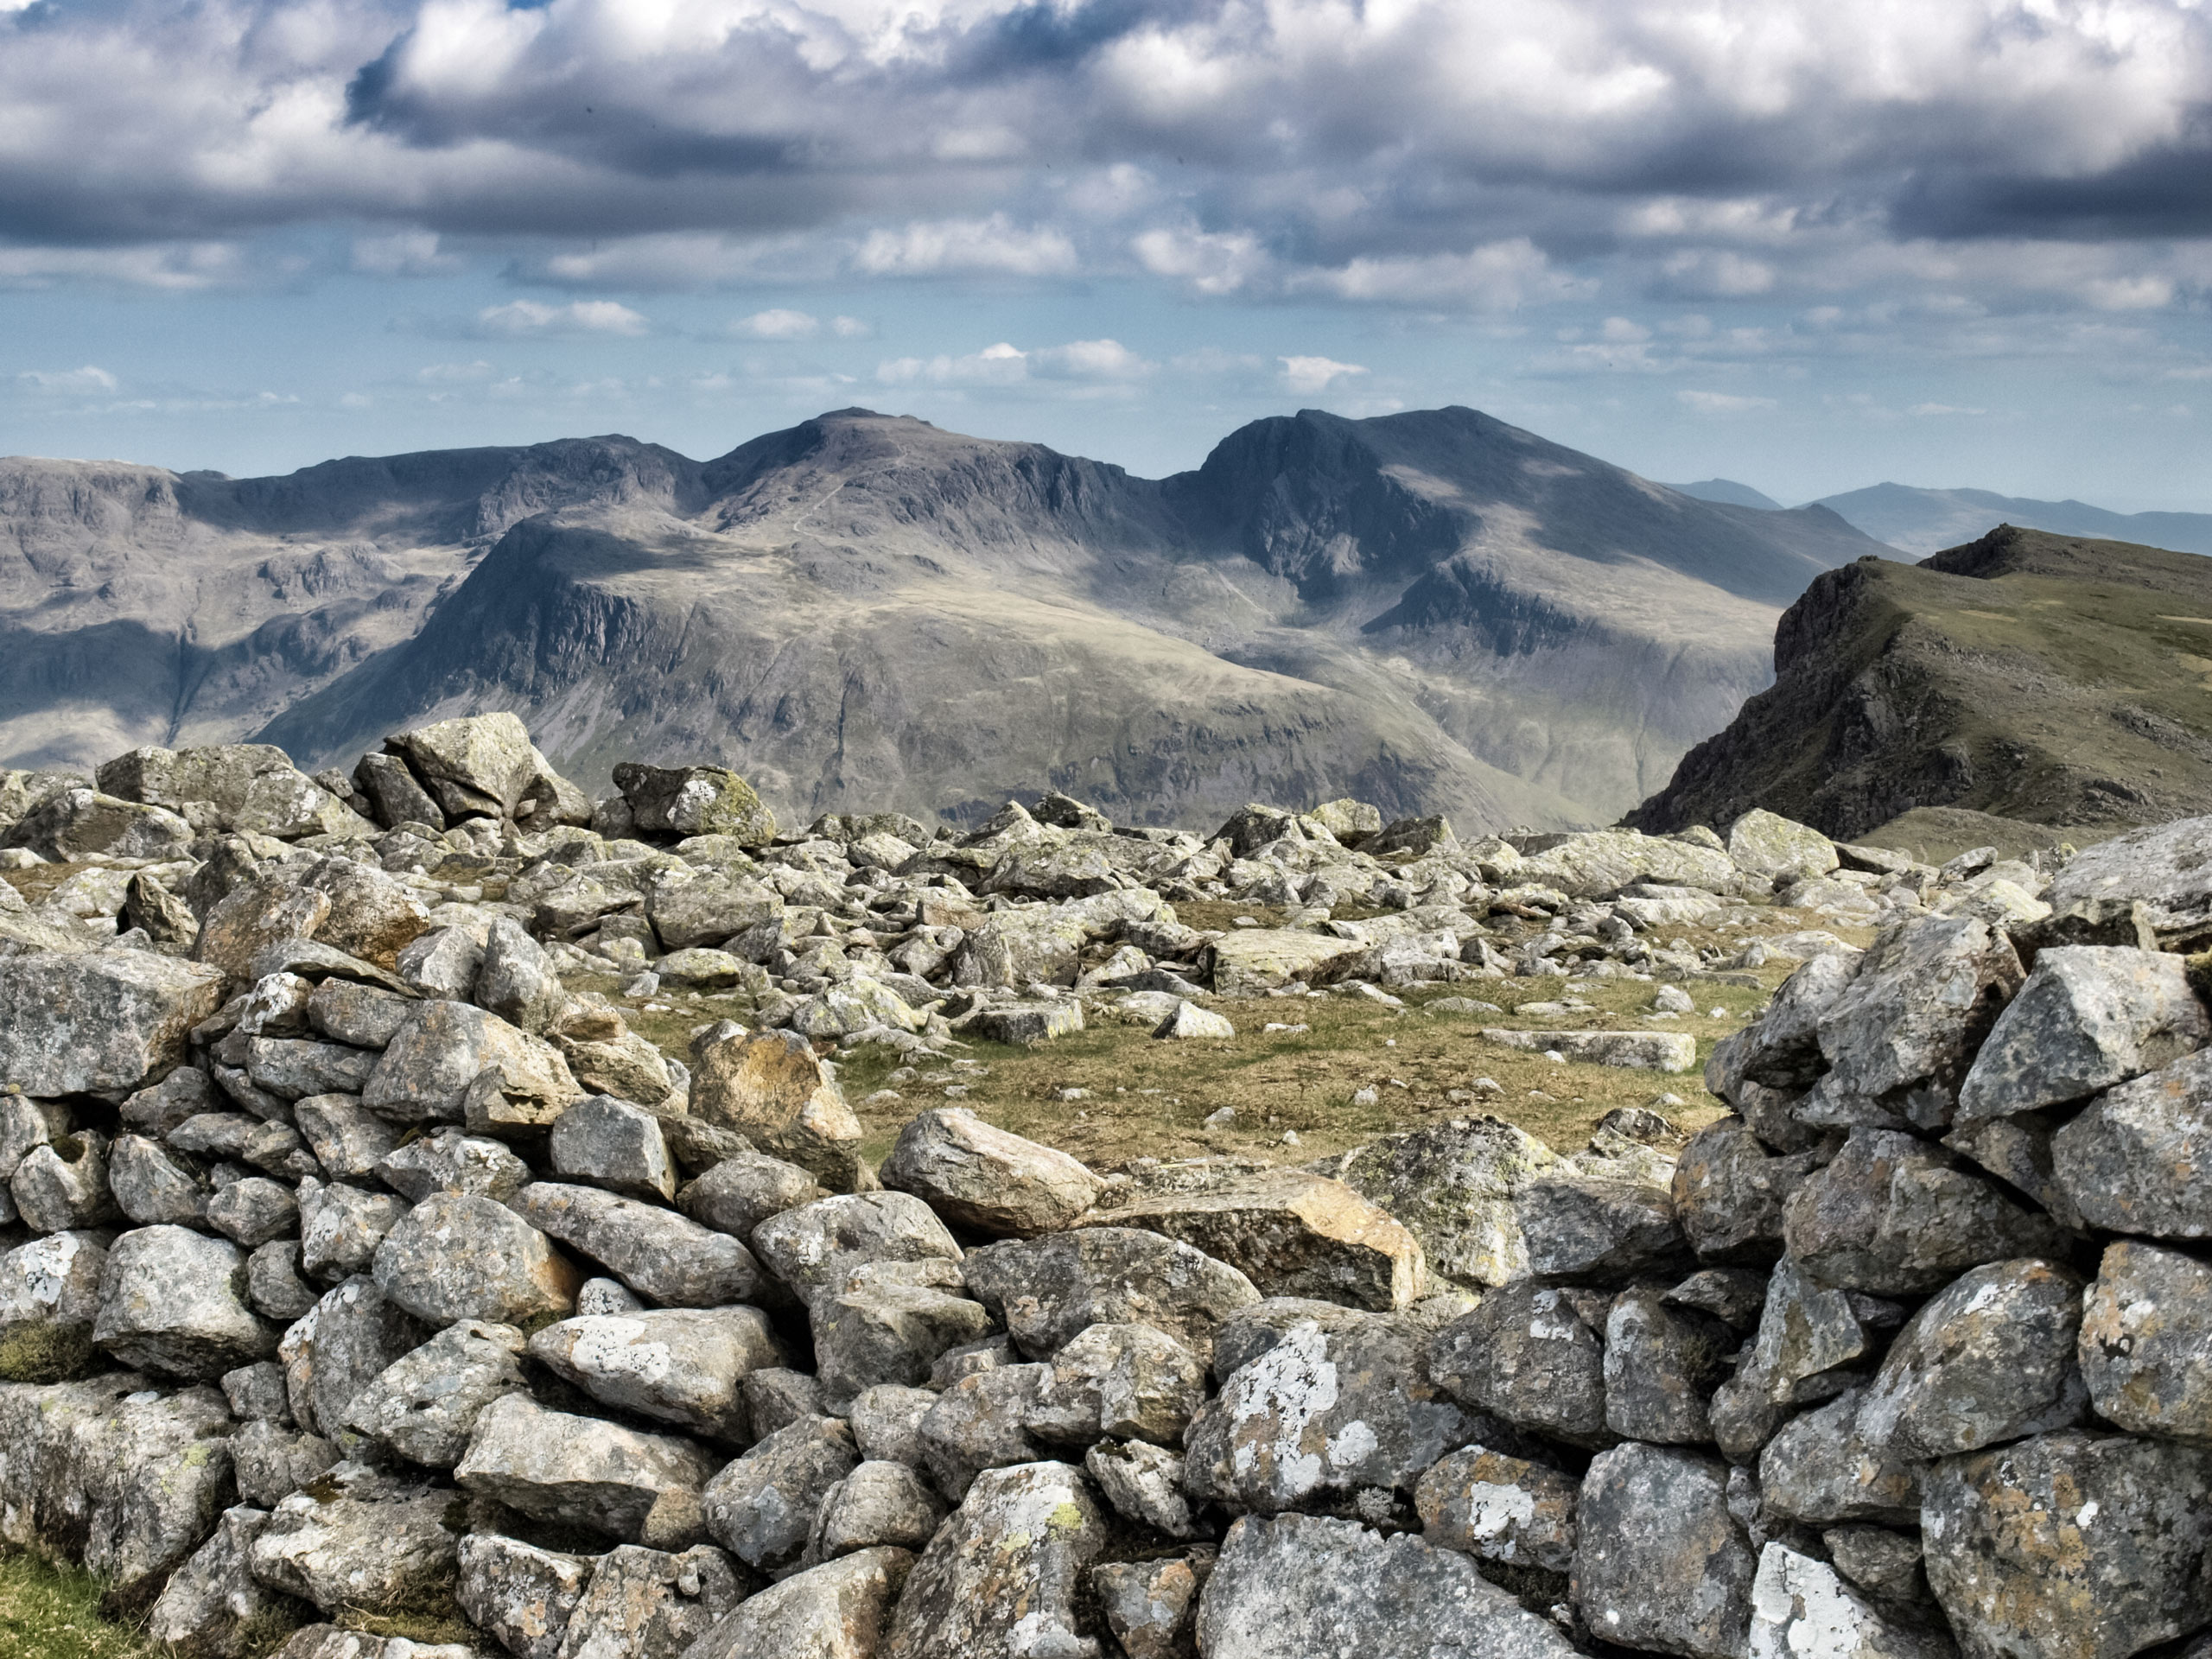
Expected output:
(2026, 675)
(1435, 611)
(364, 1277)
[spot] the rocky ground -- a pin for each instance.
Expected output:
(450, 1215)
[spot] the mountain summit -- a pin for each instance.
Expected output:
(1434, 610)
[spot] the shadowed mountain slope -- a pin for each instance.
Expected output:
(2037, 676)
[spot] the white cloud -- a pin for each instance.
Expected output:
(946, 246)
(778, 325)
(1210, 261)
(1943, 409)
(1498, 276)
(1721, 403)
(1090, 360)
(448, 374)
(1002, 365)
(87, 379)
(408, 253)
(580, 317)
(1308, 375)
(852, 328)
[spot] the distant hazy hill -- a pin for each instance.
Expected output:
(1921, 521)
(1433, 610)
(2043, 678)
(1728, 490)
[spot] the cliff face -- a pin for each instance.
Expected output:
(2032, 675)
(1435, 610)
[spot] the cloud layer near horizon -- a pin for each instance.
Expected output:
(1456, 155)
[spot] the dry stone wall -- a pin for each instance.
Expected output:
(360, 1270)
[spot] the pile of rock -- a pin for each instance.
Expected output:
(366, 1276)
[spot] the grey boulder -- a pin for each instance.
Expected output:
(106, 1022)
(685, 1366)
(2090, 1016)
(555, 1467)
(665, 1257)
(984, 1179)
(761, 1507)
(1004, 1576)
(1661, 1563)
(424, 1404)
(837, 1610)
(519, 1595)
(173, 1301)
(2146, 1341)
(459, 1256)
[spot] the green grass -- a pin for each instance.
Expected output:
(51, 1612)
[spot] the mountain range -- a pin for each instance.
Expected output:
(1920, 522)
(1435, 611)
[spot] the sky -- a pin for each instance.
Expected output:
(1804, 245)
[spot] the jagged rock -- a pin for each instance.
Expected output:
(644, 1602)
(664, 1257)
(2070, 1546)
(624, 1065)
(74, 823)
(611, 1144)
(1048, 1289)
(443, 964)
(517, 981)
(1292, 1234)
(742, 1191)
(762, 1507)
(837, 1611)
(1041, 945)
(103, 1022)
(686, 1366)
(519, 1595)
(1989, 1358)
(1151, 1607)
(1584, 1225)
(442, 1047)
(1728, 1192)
(695, 801)
(887, 1322)
(1885, 1564)
(578, 1471)
(1526, 1355)
(776, 1398)
(395, 797)
(1004, 1576)
(456, 1255)
(1800, 1606)
(64, 1184)
(1253, 960)
(272, 1462)
(373, 917)
(1806, 1334)
(213, 1607)
(2087, 1017)
(708, 909)
(1651, 1050)
(424, 1404)
(1660, 1562)
(479, 766)
(352, 1333)
(1764, 844)
(1298, 1585)
(1499, 1508)
(2146, 1341)
(980, 1422)
(1344, 1416)
(448, 1161)
(1452, 1186)
(769, 1087)
(2162, 867)
(292, 1068)
(1144, 1483)
(273, 1281)
(348, 1139)
(249, 787)
(877, 1504)
(886, 1419)
(265, 913)
(173, 1301)
(1893, 1214)
(1662, 1364)
(1121, 1381)
(2132, 1162)
(986, 1181)
(1926, 993)
(1821, 1468)
(49, 1296)
(341, 1227)
(125, 1479)
(358, 1541)
(252, 1211)
(813, 1247)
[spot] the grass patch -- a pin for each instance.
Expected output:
(51, 1612)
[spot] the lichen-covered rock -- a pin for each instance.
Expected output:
(1585, 1226)
(459, 1256)
(1766, 844)
(2070, 1546)
(339, 1349)
(49, 1296)
(1003, 1577)
(813, 1247)
(1499, 1508)
(516, 980)
(442, 1047)
(1299, 1586)
(360, 1540)
(663, 1256)
(837, 1610)
(2133, 1160)
(1822, 1469)
(1319, 1418)
(613, 1144)
(762, 1507)
(1526, 1354)
(980, 1422)
(212, 1607)
(985, 1180)
(1662, 1363)
(1151, 1607)
(2090, 1016)
(1989, 1358)
(1729, 1191)
(173, 1301)
(1119, 1382)
(686, 1366)
(1048, 1289)
(1143, 1483)
(642, 1602)
(2146, 1341)
(1800, 1606)
(580, 1471)
(425, 1403)
(742, 1191)
(102, 1022)
(1925, 994)
(70, 823)
(341, 1226)
(1661, 1563)
(448, 1161)
(1452, 1186)
(877, 1504)
(695, 801)
(2162, 867)
(64, 1184)
(252, 1211)
(1253, 960)
(519, 1595)
(480, 766)
(1292, 1233)
(770, 1088)
(888, 1322)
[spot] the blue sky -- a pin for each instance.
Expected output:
(1806, 246)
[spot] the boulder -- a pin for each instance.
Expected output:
(685, 801)
(173, 1301)
(877, 1504)
(448, 1161)
(685, 1366)
(50, 1297)
(348, 1139)
(610, 1143)
(2146, 1341)
(2090, 1016)
(1662, 1363)
(1037, 944)
(1526, 1354)
(252, 1211)
(664, 1257)
(341, 1226)
(1048, 1289)
(456, 1255)
(1190, 1021)
(101, 1022)
(480, 766)
(578, 1471)
(339, 1348)
(1925, 994)
(424, 1404)
(1004, 1576)
(1661, 1563)
(980, 1422)
(72, 823)
(738, 1192)
(641, 1602)
(2162, 867)
(1249, 961)
(360, 1541)
(1452, 1186)
(373, 917)
(888, 1322)
(770, 1088)
(813, 1247)
(1293, 1233)
(1728, 1192)
(1144, 1483)
(1778, 849)
(442, 1047)
(516, 980)
(64, 1184)
(519, 1595)
(761, 1507)
(2133, 1162)
(1651, 1050)
(985, 1180)
(1300, 1585)
(708, 909)
(1499, 1508)
(273, 1461)
(885, 1422)
(1585, 1225)
(212, 1607)
(837, 1610)
(270, 911)
(1800, 1605)
(1122, 1382)
(1823, 1468)
(1151, 1607)
(2071, 1545)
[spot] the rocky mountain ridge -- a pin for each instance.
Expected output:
(374, 1291)
(1435, 610)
